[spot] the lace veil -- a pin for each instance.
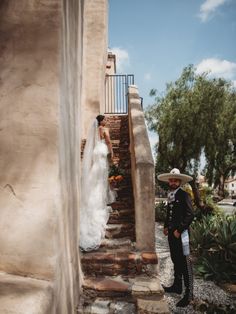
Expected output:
(87, 163)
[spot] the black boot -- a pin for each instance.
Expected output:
(185, 301)
(176, 287)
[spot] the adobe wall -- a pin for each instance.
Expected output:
(29, 165)
(142, 170)
(40, 57)
(94, 60)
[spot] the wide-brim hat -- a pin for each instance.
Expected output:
(175, 174)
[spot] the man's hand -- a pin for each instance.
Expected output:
(176, 234)
(165, 231)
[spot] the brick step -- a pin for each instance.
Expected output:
(121, 216)
(123, 203)
(122, 285)
(108, 264)
(117, 148)
(142, 294)
(114, 231)
(105, 287)
(123, 198)
(125, 185)
(117, 135)
(109, 305)
(115, 142)
(121, 150)
(124, 192)
(116, 245)
(118, 263)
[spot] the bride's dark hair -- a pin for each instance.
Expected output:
(100, 118)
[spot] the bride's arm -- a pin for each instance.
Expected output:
(108, 142)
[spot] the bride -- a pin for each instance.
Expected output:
(95, 190)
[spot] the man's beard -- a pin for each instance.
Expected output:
(173, 187)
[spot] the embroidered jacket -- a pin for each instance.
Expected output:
(179, 212)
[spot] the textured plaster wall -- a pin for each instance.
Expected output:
(68, 277)
(29, 98)
(40, 82)
(142, 169)
(94, 60)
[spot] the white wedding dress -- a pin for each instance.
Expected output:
(95, 191)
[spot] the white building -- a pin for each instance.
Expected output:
(230, 186)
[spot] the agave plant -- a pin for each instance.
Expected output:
(211, 267)
(226, 238)
(214, 243)
(202, 235)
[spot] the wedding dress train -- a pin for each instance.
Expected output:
(95, 192)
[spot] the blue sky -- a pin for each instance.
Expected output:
(155, 39)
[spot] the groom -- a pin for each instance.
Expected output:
(178, 220)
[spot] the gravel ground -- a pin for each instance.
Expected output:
(203, 290)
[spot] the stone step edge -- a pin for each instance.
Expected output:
(109, 305)
(123, 225)
(116, 220)
(137, 287)
(120, 257)
(144, 291)
(116, 245)
(120, 242)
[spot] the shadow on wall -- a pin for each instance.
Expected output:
(27, 129)
(29, 99)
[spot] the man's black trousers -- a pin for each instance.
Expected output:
(182, 263)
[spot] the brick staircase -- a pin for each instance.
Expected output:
(118, 279)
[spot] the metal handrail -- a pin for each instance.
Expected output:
(116, 93)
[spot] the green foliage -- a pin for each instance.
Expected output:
(196, 114)
(115, 170)
(173, 117)
(206, 192)
(213, 240)
(201, 237)
(160, 212)
(210, 207)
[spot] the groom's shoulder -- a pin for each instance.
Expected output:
(181, 193)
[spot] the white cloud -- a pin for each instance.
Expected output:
(122, 59)
(209, 7)
(147, 76)
(234, 83)
(217, 68)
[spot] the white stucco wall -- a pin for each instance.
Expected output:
(230, 186)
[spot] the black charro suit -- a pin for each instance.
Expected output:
(179, 212)
(179, 217)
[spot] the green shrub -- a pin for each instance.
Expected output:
(210, 208)
(213, 241)
(160, 212)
